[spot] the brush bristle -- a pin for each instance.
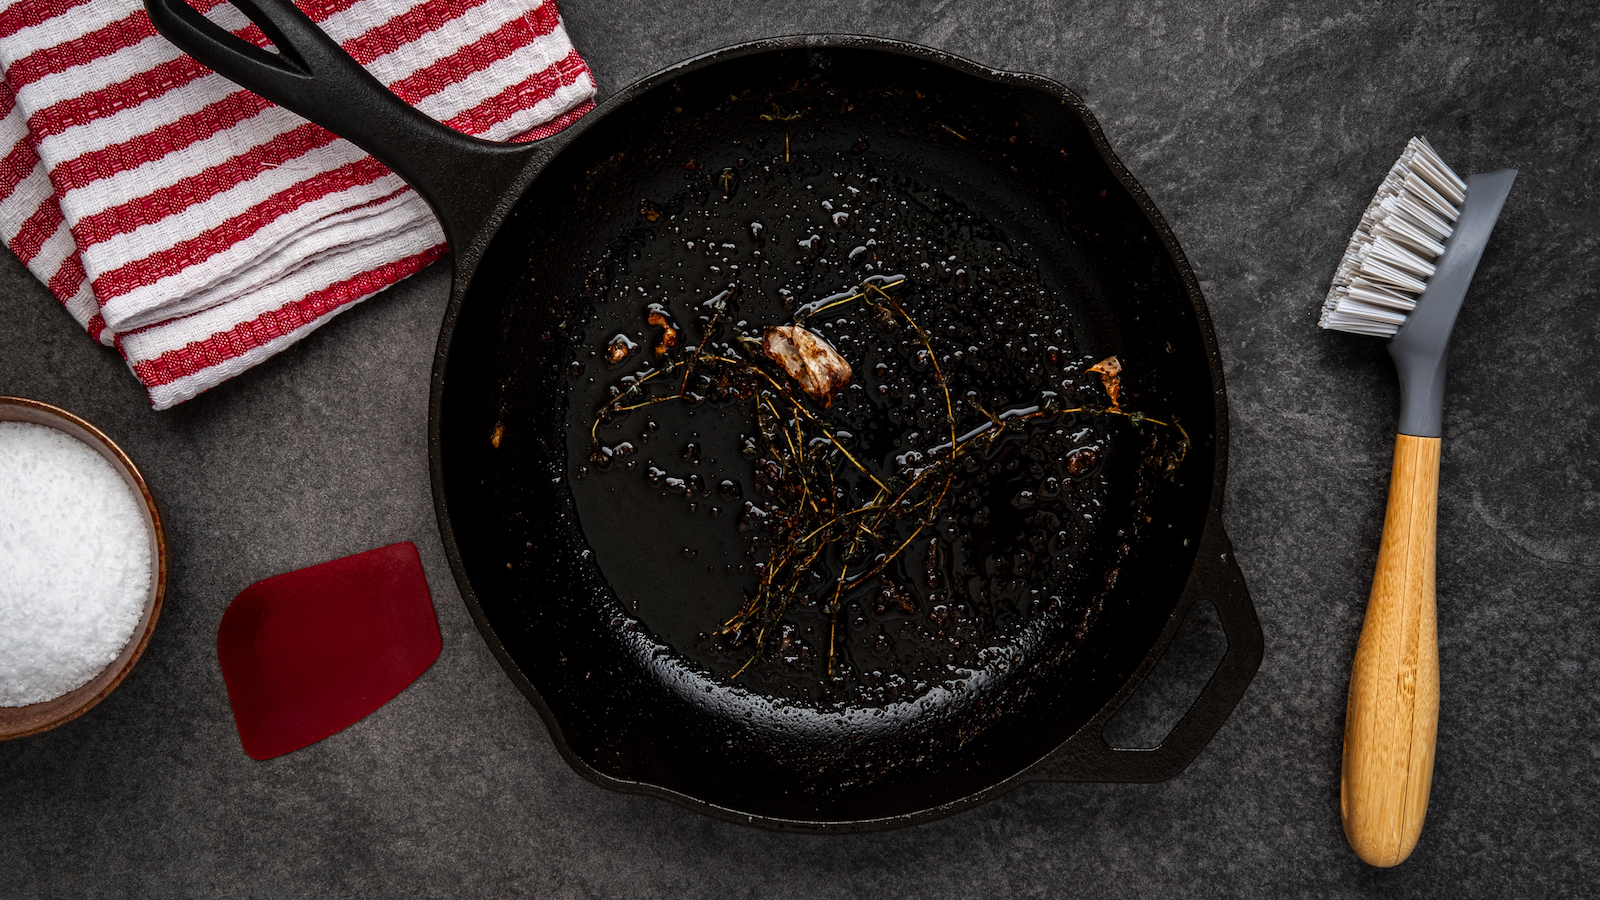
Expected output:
(1401, 236)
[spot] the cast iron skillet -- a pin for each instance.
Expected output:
(540, 229)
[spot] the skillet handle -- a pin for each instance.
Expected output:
(462, 178)
(1216, 577)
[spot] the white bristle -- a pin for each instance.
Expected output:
(1392, 254)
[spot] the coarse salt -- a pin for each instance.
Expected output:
(75, 562)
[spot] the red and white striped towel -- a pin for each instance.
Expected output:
(199, 229)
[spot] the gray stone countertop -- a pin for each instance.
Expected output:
(1260, 130)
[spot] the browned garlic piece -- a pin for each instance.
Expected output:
(808, 358)
(618, 349)
(669, 334)
(1110, 371)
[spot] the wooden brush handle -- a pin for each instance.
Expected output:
(1393, 712)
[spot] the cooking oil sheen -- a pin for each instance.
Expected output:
(674, 502)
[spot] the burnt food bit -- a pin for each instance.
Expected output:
(619, 349)
(669, 332)
(1110, 372)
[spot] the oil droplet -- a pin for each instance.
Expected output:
(1081, 461)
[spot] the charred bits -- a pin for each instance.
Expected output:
(619, 349)
(657, 315)
(1110, 372)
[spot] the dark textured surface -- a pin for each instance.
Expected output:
(1260, 132)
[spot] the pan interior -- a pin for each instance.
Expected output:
(606, 558)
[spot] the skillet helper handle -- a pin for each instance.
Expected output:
(1216, 577)
(460, 176)
(1392, 717)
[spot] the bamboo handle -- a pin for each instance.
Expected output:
(1393, 712)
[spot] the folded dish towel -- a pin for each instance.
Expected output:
(198, 228)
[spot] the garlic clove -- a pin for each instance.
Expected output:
(809, 359)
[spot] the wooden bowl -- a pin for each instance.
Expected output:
(19, 721)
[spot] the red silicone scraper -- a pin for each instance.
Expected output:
(311, 652)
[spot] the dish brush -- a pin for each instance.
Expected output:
(1404, 276)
